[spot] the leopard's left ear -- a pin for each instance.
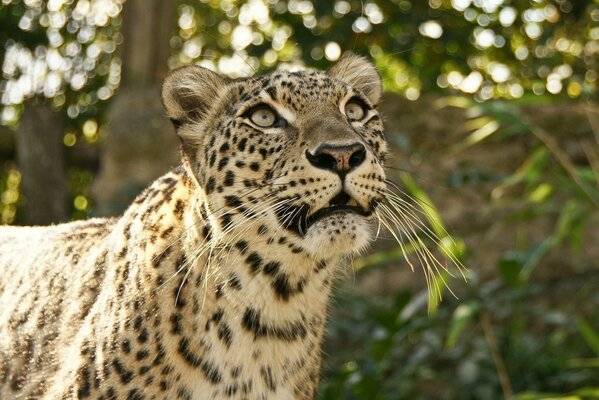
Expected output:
(360, 73)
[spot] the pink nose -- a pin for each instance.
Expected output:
(340, 159)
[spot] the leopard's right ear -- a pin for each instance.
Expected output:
(189, 92)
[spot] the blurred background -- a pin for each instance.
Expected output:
(491, 111)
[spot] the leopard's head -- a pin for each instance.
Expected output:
(295, 157)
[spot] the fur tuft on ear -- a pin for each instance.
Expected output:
(188, 93)
(360, 73)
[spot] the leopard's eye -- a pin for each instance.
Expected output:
(354, 110)
(263, 117)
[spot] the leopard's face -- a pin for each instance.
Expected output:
(292, 154)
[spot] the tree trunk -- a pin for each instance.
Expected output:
(40, 155)
(147, 29)
(141, 144)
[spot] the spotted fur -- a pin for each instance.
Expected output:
(214, 283)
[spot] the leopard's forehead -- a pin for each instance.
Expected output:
(302, 89)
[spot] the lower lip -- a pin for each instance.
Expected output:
(335, 210)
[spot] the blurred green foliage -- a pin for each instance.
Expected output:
(393, 349)
(505, 337)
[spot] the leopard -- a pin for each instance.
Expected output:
(216, 282)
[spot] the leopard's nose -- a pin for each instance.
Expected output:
(339, 159)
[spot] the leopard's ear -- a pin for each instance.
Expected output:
(360, 73)
(189, 92)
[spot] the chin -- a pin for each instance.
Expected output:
(339, 235)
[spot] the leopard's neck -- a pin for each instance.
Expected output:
(245, 313)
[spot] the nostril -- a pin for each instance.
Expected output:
(322, 160)
(357, 157)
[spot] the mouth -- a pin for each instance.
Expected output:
(342, 203)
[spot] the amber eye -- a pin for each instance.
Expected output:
(263, 117)
(354, 111)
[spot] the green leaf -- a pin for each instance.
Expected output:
(590, 335)
(545, 396)
(583, 363)
(578, 394)
(510, 267)
(460, 320)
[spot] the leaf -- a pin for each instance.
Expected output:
(426, 204)
(540, 193)
(583, 363)
(590, 335)
(529, 171)
(477, 136)
(461, 317)
(578, 394)
(510, 267)
(545, 396)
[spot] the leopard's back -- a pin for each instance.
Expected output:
(49, 279)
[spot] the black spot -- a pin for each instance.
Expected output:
(234, 282)
(283, 289)
(271, 268)
(255, 261)
(231, 390)
(191, 358)
(85, 385)
(268, 378)
(183, 393)
(229, 178)
(225, 220)
(254, 166)
(217, 316)
(138, 322)
(251, 322)
(224, 148)
(320, 266)
(208, 368)
(219, 292)
(268, 174)
(236, 372)
(206, 232)
(210, 185)
(135, 395)
(242, 143)
(211, 372)
(272, 91)
(233, 201)
(225, 334)
(144, 369)
(143, 336)
(125, 375)
(111, 394)
(126, 346)
(223, 163)
(242, 246)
